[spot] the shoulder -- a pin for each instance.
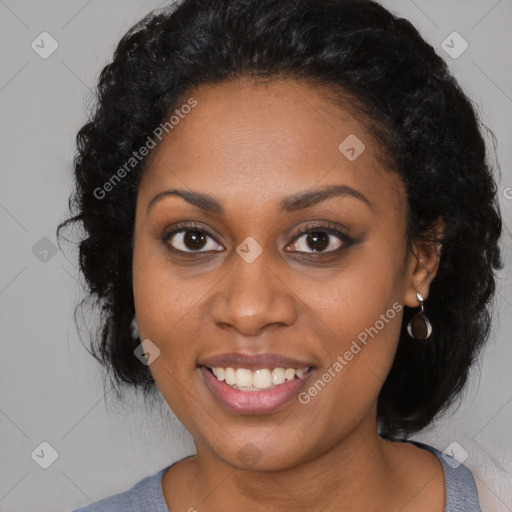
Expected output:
(145, 495)
(460, 489)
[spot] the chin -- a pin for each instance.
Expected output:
(260, 456)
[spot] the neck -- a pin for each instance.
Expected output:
(355, 474)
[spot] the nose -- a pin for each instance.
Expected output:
(253, 297)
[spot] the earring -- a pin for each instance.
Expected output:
(134, 328)
(419, 326)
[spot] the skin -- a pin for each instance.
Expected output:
(249, 146)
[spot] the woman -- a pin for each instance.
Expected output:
(291, 230)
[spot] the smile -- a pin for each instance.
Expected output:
(260, 391)
(244, 379)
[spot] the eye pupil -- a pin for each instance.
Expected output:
(318, 238)
(194, 239)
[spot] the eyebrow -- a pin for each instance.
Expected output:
(298, 201)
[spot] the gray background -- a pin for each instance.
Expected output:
(51, 389)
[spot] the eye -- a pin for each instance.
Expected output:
(321, 239)
(194, 238)
(191, 238)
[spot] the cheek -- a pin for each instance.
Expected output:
(357, 318)
(165, 315)
(358, 362)
(353, 298)
(359, 340)
(161, 295)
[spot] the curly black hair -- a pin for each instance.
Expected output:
(401, 89)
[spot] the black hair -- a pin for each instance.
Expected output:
(378, 63)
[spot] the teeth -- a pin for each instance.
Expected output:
(243, 377)
(300, 373)
(230, 376)
(278, 375)
(289, 374)
(262, 379)
(248, 380)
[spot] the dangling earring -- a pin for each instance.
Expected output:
(134, 328)
(419, 326)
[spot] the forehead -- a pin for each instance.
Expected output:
(250, 143)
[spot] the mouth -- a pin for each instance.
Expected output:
(245, 379)
(259, 391)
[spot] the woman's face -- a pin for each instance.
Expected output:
(239, 278)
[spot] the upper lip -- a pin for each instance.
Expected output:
(252, 361)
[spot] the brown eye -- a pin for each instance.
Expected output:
(320, 240)
(191, 240)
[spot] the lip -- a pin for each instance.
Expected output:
(254, 402)
(253, 361)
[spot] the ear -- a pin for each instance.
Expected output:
(422, 265)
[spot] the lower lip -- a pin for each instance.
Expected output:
(254, 402)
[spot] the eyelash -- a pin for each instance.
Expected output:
(310, 228)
